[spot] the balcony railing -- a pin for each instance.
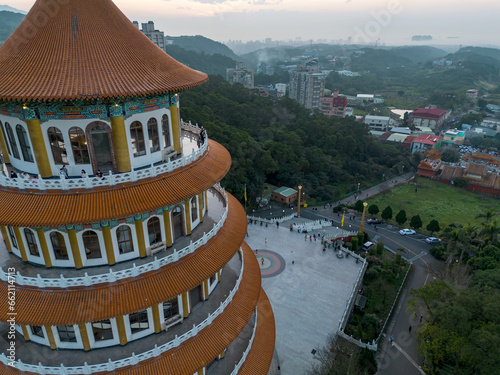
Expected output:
(134, 359)
(109, 179)
(134, 271)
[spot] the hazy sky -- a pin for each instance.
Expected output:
(389, 21)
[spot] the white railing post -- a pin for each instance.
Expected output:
(111, 177)
(41, 183)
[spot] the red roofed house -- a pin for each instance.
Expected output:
(431, 117)
(426, 142)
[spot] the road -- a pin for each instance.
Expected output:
(402, 357)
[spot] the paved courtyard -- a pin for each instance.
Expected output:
(308, 290)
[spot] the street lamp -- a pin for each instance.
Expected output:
(298, 205)
(358, 187)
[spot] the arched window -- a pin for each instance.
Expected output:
(137, 138)
(194, 209)
(166, 131)
(12, 236)
(154, 231)
(5, 138)
(24, 143)
(154, 139)
(170, 308)
(124, 238)
(79, 145)
(139, 321)
(12, 140)
(31, 241)
(57, 146)
(102, 330)
(59, 246)
(91, 245)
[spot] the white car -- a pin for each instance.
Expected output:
(406, 231)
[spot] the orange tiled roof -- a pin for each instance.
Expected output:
(200, 350)
(55, 306)
(85, 50)
(260, 356)
(54, 209)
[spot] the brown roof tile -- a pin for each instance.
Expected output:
(54, 209)
(86, 49)
(55, 306)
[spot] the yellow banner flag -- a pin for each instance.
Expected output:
(342, 223)
(245, 192)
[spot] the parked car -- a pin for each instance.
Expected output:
(406, 232)
(432, 240)
(374, 221)
(367, 245)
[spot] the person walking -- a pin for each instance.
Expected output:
(262, 261)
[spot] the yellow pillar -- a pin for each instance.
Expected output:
(119, 134)
(176, 128)
(45, 249)
(139, 231)
(185, 305)
(39, 148)
(75, 249)
(122, 333)
(50, 336)
(108, 244)
(187, 215)
(168, 229)
(206, 201)
(218, 276)
(85, 336)
(3, 146)
(222, 354)
(20, 243)
(362, 226)
(5, 238)
(156, 318)
(205, 290)
(200, 207)
(26, 332)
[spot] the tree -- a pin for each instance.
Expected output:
(461, 182)
(380, 247)
(358, 206)
(450, 155)
(416, 222)
(354, 243)
(433, 226)
(387, 213)
(373, 209)
(401, 217)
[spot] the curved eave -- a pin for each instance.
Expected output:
(55, 306)
(200, 350)
(261, 355)
(82, 50)
(55, 209)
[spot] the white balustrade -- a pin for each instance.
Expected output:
(134, 358)
(112, 276)
(237, 367)
(109, 180)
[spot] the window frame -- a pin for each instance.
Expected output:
(24, 144)
(137, 139)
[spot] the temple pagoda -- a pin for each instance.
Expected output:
(122, 253)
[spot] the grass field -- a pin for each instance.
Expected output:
(435, 200)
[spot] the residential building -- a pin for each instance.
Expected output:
(365, 98)
(377, 122)
(240, 74)
(307, 85)
(471, 94)
(429, 116)
(156, 36)
(332, 104)
(129, 256)
(426, 142)
(281, 89)
(454, 136)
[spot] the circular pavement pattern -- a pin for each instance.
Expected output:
(271, 263)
